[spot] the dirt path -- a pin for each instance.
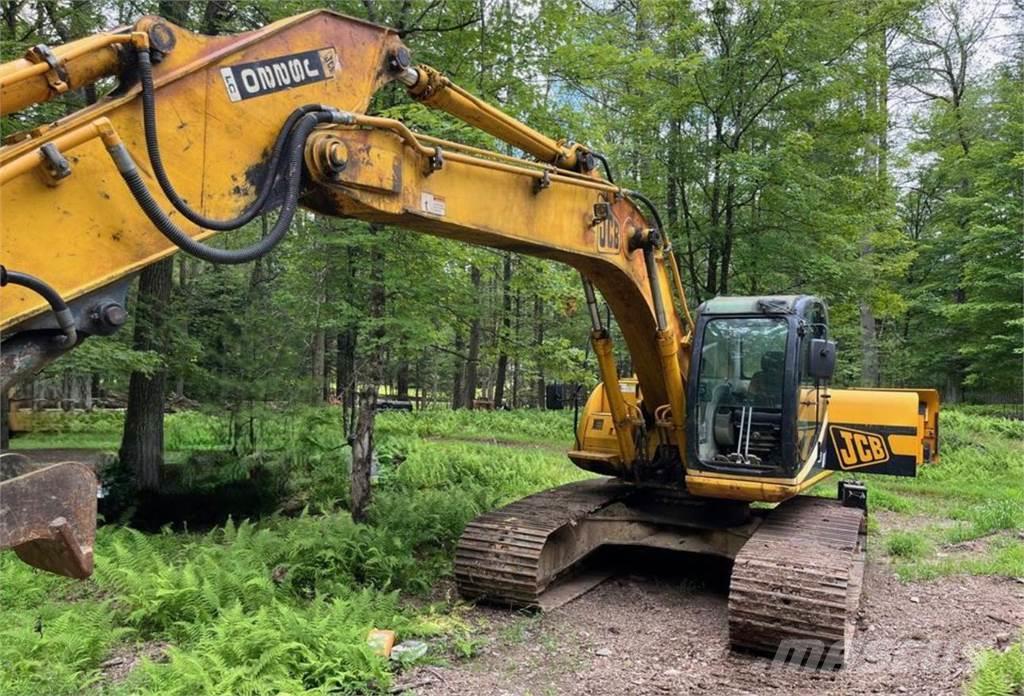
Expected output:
(664, 631)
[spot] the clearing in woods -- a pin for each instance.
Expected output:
(283, 604)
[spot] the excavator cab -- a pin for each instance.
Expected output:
(759, 386)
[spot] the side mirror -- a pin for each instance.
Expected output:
(822, 362)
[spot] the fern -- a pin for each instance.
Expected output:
(999, 673)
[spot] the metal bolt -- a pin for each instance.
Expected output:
(399, 59)
(337, 157)
(109, 316)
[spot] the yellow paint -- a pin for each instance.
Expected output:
(750, 489)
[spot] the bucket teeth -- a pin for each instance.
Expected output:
(796, 584)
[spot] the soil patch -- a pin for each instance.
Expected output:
(662, 629)
(127, 657)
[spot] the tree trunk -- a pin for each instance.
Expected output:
(142, 442)
(506, 328)
(538, 342)
(473, 356)
(330, 348)
(716, 193)
(457, 392)
(730, 226)
(362, 443)
(515, 362)
(876, 111)
(362, 453)
(402, 381)
(319, 350)
(870, 375)
(420, 391)
(344, 368)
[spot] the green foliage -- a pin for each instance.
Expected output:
(529, 426)
(54, 648)
(282, 605)
(998, 673)
(907, 545)
(291, 598)
(979, 485)
(278, 649)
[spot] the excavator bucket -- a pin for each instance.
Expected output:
(48, 516)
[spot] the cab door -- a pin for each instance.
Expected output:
(812, 394)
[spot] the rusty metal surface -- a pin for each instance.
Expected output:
(799, 578)
(23, 356)
(513, 554)
(48, 516)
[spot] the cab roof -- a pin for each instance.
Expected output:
(762, 304)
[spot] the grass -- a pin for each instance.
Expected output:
(908, 545)
(268, 429)
(975, 494)
(283, 605)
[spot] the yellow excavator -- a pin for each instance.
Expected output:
(727, 408)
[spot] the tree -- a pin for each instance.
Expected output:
(956, 236)
(142, 441)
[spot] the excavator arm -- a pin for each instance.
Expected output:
(202, 134)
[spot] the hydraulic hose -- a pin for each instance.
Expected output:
(156, 161)
(668, 249)
(292, 175)
(607, 167)
(651, 207)
(65, 320)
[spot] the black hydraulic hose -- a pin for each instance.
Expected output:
(156, 161)
(65, 320)
(292, 175)
(651, 207)
(607, 167)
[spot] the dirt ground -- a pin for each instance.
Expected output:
(661, 628)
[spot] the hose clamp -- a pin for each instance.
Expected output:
(123, 160)
(56, 76)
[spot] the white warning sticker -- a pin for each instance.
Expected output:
(429, 203)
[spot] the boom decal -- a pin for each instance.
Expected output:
(248, 80)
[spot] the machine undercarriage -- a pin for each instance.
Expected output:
(797, 568)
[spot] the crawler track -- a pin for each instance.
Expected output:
(798, 579)
(513, 554)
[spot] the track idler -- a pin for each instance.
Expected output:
(48, 515)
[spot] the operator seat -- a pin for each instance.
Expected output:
(767, 382)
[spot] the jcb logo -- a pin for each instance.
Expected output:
(608, 236)
(857, 448)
